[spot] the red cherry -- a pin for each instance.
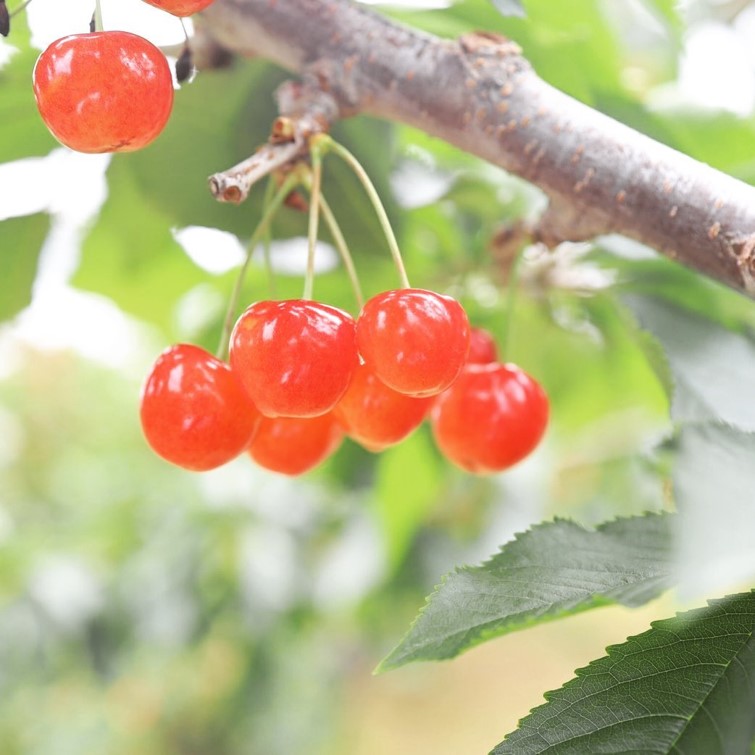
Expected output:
(294, 445)
(482, 348)
(194, 411)
(415, 341)
(375, 415)
(108, 91)
(180, 7)
(490, 418)
(296, 357)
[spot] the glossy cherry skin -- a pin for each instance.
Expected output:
(415, 341)
(493, 416)
(482, 348)
(294, 445)
(194, 412)
(108, 91)
(376, 416)
(181, 7)
(295, 357)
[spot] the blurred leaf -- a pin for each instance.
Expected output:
(714, 477)
(669, 11)
(131, 256)
(22, 131)
(553, 570)
(509, 7)
(712, 367)
(683, 686)
(409, 480)
(22, 240)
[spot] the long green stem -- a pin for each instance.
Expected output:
(314, 218)
(343, 249)
(512, 288)
(290, 182)
(377, 205)
(20, 8)
(267, 239)
(98, 25)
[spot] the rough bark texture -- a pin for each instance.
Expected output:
(481, 95)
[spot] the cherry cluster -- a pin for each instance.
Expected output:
(303, 375)
(107, 91)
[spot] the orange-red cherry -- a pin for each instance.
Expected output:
(415, 341)
(295, 357)
(376, 416)
(194, 412)
(294, 445)
(493, 416)
(181, 7)
(482, 347)
(108, 91)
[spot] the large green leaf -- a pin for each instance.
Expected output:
(22, 240)
(554, 569)
(712, 366)
(684, 686)
(714, 476)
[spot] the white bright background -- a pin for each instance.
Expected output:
(717, 71)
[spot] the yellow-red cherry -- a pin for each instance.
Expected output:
(482, 347)
(493, 416)
(108, 91)
(415, 341)
(294, 357)
(194, 412)
(376, 416)
(294, 445)
(181, 7)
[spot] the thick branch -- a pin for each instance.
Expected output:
(481, 95)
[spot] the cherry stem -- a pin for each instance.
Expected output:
(186, 33)
(267, 239)
(20, 8)
(512, 288)
(377, 205)
(98, 25)
(343, 249)
(291, 180)
(314, 218)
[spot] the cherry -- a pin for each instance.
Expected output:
(482, 348)
(415, 341)
(294, 445)
(490, 418)
(295, 357)
(194, 412)
(375, 415)
(108, 91)
(180, 7)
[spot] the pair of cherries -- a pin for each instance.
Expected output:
(303, 374)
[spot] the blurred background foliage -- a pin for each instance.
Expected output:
(145, 609)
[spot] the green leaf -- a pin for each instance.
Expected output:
(554, 569)
(684, 686)
(712, 367)
(714, 477)
(22, 131)
(22, 240)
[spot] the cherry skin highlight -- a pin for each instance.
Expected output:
(294, 445)
(482, 348)
(493, 416)
(376, 416)
(108, 91)
(194, 412)
(180, 7)
(296, 357)
(415, 341)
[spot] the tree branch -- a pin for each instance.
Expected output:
(481, 95)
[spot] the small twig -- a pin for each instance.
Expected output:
(234, 184)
